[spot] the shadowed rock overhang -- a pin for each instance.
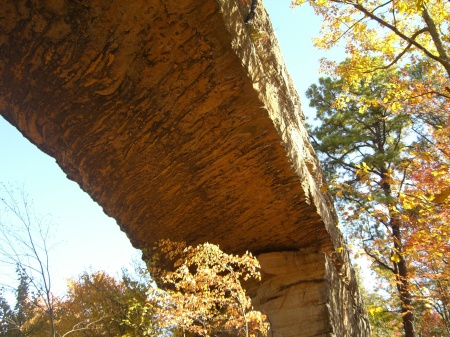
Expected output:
(176, 117)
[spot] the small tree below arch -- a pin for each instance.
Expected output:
(204, 293)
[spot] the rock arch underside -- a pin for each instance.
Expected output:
(182, 122)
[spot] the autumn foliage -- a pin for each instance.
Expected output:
(203, 290)
(202, 296)
(384, 141)
(389, 173)
(426, 204)
(410, 35)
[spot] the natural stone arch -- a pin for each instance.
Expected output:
(181, 122)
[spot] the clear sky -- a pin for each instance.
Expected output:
(86, 237)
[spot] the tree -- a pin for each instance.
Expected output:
(23, 310)
(24, 318)
(204, 293)
(407, 34)
(25, 244)
(383, 318)
(96, 304)
(101, 305)
(368, 154)
(5, 314)
(24, 239)
(427, 209)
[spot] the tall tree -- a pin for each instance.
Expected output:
(406, 34)
(426, 207)
(367, 150)
(23, 308)
(5, 314)
(24, 238)
(22, 319)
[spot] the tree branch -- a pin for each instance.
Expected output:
(403, 52)
(436, 39)
(394, 29)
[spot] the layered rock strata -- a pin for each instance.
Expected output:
(177, 118)
(304, 296)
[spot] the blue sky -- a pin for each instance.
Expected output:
(86, 238)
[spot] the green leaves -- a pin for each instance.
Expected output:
(389, 176)
(347, 137)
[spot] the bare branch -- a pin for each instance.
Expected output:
(76, 328)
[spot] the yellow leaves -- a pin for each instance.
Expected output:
(407, 203)
(419, 5)
(363, 169)
(365, 27)
(387, 46)
(439, 172)
(395, 258)
(207, 289)
(410, 7)
(396, 107)
(402, 6)
(341, 102)
(375, 310)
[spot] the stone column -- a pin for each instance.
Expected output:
(303, 295)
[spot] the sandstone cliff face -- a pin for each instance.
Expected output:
(303, 295)
(176, 117)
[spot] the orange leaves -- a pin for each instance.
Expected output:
(442, 197)
(384, 137)
(427, 213)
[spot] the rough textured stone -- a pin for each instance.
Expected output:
(346, 309)
(303, 295)
(176, 117)
(149, 108)
(294, 294)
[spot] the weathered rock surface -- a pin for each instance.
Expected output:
(151, 110)
(304, 296)
(176, 117)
